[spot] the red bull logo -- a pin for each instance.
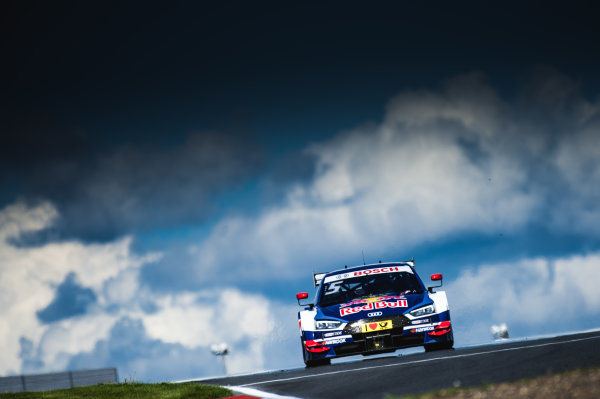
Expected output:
(400, 303)
(371, 300)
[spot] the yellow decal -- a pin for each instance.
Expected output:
(378, 326)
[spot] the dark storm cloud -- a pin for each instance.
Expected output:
(105, 189)
(136, 187)
(294, 168)
(31, 140)
(100, 64)
(71, 300)
(93, 95)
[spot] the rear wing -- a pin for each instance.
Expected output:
(318, 277)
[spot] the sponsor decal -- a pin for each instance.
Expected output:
(335, 341)
(400, 303)
(375, 314)
(341, 276)
(375, 270)
(372, 300)
(381, 325)
(421, 329)
(424, 321)
(333, 334)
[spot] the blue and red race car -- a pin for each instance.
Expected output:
(372, 309)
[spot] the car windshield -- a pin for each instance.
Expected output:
(342, 291)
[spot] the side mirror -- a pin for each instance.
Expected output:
(302, 296)
(436, 277)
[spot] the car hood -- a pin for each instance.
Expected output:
(370, 307)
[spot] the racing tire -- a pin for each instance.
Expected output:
(313, 363)
(439, 346)
(319, 362)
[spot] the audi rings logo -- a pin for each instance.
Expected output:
(374, 314)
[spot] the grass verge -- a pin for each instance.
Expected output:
(129, 391)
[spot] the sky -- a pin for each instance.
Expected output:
(172, 174)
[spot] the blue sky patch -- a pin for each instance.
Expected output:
(71, 300)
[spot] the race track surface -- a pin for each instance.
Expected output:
(422, 372)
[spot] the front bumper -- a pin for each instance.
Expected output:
(404, 334)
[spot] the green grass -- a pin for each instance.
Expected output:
(129, 391)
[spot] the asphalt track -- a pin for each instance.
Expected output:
(423, 372)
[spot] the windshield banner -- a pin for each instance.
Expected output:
(366, 272)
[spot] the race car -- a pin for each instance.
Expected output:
(372, 309)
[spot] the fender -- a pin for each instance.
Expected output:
(440, 301)
(307, 320)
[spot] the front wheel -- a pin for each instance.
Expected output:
(313, 362)
(319, 362)
(439, 346)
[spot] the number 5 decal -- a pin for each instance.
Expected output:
(334, 288)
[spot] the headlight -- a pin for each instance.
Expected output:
(423, 311)
(327, 324)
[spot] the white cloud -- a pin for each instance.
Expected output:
(180, 319)
(18, 218)
(440, 164)
(578, 161)
(248, 323)
(61, 340)
(29, 277)
(170, 323)
(574, 277)
(535, 295)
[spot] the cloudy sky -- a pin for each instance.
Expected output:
(172, 174)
